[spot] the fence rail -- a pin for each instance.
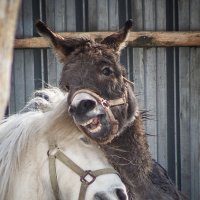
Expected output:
(136, 39)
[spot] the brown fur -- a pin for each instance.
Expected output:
(84, 61)
(144, 178)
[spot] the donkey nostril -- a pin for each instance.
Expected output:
(86, 105)
(121, 194)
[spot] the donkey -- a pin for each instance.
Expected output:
(103, 105)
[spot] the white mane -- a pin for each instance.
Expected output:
(23, 153)
(15, 133)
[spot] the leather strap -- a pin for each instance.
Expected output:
(52, 171)
(96, 174)
(106, 104)
(55, 153)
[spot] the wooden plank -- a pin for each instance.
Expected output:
(80, 15)
(138, 76)
(28, 53)
(61, 24)
(113, 21)
(102, 15)
(184, 82)
(194, 120)
(92, 15)
(161, 92)
(150, 78)
(138, 56)
(51, 60)
(194, 103)
(122, 15)
(184, 92)
(136, 39)
(60, 15)
(70, 15)
(19, 79)
(18, 68)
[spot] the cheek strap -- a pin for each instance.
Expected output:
(107, 104)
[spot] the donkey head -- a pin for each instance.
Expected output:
(100, 99)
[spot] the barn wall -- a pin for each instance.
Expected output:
(166, 79)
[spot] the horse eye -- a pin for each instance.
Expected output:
(107, 71)
(85, 140)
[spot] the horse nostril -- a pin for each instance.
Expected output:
(72, 110)
(85, 106)
(121, 194)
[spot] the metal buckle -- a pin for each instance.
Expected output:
(52, 151)
(105, 103)
(88, 173)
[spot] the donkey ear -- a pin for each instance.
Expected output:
(63, 46)
(117, 41)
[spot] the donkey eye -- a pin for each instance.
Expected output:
(107, 71)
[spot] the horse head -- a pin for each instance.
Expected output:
(42, 133)
(99, 93)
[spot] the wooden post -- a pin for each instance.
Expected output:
(8, 17)
(136, 39)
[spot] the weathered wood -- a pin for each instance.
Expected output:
(28, 53)
(102, 12)
(138, 56)
(184, 92)
(161, 92)
(8, 17)
(51, 60)
(150, 78)
(92, 15)
(18, 67)
(195, 104)
(63, 11)
(113, 15)
(136, 39)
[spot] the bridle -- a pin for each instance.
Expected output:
(107, 104)
(55, 153)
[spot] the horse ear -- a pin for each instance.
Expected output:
(117, 41)
(63, 46)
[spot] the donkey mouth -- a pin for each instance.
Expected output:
(93, 125)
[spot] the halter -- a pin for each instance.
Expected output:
(107, 104)
(55, 153)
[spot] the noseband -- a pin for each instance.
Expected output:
(55, 153)
(107, 104)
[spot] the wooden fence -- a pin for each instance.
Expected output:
(166, 79)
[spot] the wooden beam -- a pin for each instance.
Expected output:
(8, 19)
(136, 39)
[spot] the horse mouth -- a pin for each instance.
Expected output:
(93, 125)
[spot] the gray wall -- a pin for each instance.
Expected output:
(166, 79)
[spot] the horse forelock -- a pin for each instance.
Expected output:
(21, 130)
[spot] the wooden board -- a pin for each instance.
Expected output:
(150, 78)
(195, 104)
(136, 39)
(184, 91)
(161, 84)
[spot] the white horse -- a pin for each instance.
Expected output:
(30, 141)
